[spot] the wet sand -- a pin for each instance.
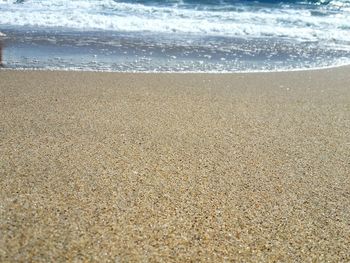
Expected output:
(175, 167)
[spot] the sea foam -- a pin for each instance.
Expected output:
(328, 23)
(176, 35)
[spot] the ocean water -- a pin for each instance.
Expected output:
(175, 35)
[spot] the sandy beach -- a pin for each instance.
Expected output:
(175, 167)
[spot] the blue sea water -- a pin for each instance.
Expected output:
(175, 35)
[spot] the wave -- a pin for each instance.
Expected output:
(322, 20)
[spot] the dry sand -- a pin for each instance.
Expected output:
(169, 167)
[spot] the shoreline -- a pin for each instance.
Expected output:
(326, 68)
(128, 52)
(175, 167)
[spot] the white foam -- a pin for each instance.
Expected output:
(111, 15)
(339, 64)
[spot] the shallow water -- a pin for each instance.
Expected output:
(185, 36)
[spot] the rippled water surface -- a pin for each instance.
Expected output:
(209, 36)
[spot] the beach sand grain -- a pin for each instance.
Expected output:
(175, 167)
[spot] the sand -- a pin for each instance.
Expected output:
(175, 167)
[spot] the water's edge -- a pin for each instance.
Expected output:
(116, 52)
